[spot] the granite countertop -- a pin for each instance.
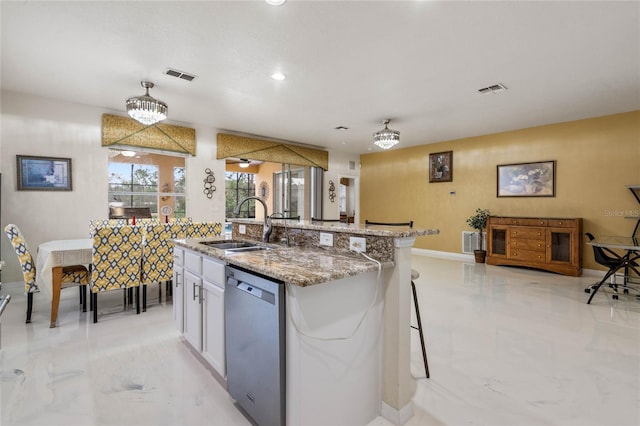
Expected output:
(351, 228)
(301, 266)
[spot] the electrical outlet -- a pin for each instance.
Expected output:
(326, 239)
(242, 229)
(358, 244)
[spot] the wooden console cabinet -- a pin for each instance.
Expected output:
(551, 244)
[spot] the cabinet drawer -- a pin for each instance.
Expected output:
(562, 223)
(528, 244)
(527, 233)
(530, 256)
(178, 257)
(519, 221)
(213, 272)
(193, 262)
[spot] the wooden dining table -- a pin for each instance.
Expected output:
(52, 257)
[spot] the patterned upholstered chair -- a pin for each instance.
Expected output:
(96, 223)
(180, 220)
(116, 255)
(147, 221)
(76, 275)
(204, 229)
(157, 256)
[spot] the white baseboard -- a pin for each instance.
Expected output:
(443, 254)
(470, 258)
(397, 417)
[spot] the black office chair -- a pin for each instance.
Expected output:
(613, 263)
(414, 276)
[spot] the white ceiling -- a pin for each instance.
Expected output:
(349, 63)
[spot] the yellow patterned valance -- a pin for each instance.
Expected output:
(275, 152)
(118, 130)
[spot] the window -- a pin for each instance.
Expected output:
(289, 194)
(146, 179)
(238, 186)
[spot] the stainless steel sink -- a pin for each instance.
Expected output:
(230, 246)
(245, 249)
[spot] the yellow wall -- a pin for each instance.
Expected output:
(596, 159)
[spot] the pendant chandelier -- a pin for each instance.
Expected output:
(386, 138)
(146, 109)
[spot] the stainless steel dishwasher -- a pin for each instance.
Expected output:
(255, 345)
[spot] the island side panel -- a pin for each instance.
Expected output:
(398, 386)
(335, 381)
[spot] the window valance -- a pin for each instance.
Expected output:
(118, 130)
(276, 152)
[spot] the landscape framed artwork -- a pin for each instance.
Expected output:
(527, 179)
(441, 167)
(43, 173)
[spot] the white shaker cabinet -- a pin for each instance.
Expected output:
(178, 289)
(203, 280)
(193, 309)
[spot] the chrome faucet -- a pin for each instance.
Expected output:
(266, 228)
(286, 231)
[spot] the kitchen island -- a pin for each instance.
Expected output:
(347, 317)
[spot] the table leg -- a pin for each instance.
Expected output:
(55, 289)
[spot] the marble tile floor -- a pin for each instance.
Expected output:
(506, 346)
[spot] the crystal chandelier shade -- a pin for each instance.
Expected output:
(386, 138)
(146, 109)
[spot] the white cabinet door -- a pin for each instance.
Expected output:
(213, 327)
(193, 309)
(178, 297)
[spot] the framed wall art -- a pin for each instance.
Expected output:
(43, 173)
(441, 167)
(527, 179)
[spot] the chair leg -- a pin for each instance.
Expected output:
(419, 328)
(94, 298)
(80, 291)
(137, 299)
(144, 298)
(83, 296)
(29, 307)
(160, 292)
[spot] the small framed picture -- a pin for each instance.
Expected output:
(527, 179)
(441, 167)
(43, 173)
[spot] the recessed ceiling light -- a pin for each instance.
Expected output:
(275, 2)
(278, 76)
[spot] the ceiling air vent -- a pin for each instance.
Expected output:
(180, 74)
(499, 87)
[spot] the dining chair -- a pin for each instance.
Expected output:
(117, 256)
(95, 223)
(614, 263)
(180, 220)
(67, 276)
(414, 276)
(204, 229)
(157, 256)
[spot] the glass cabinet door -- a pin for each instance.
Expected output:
(499, 241)
(559, 245)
